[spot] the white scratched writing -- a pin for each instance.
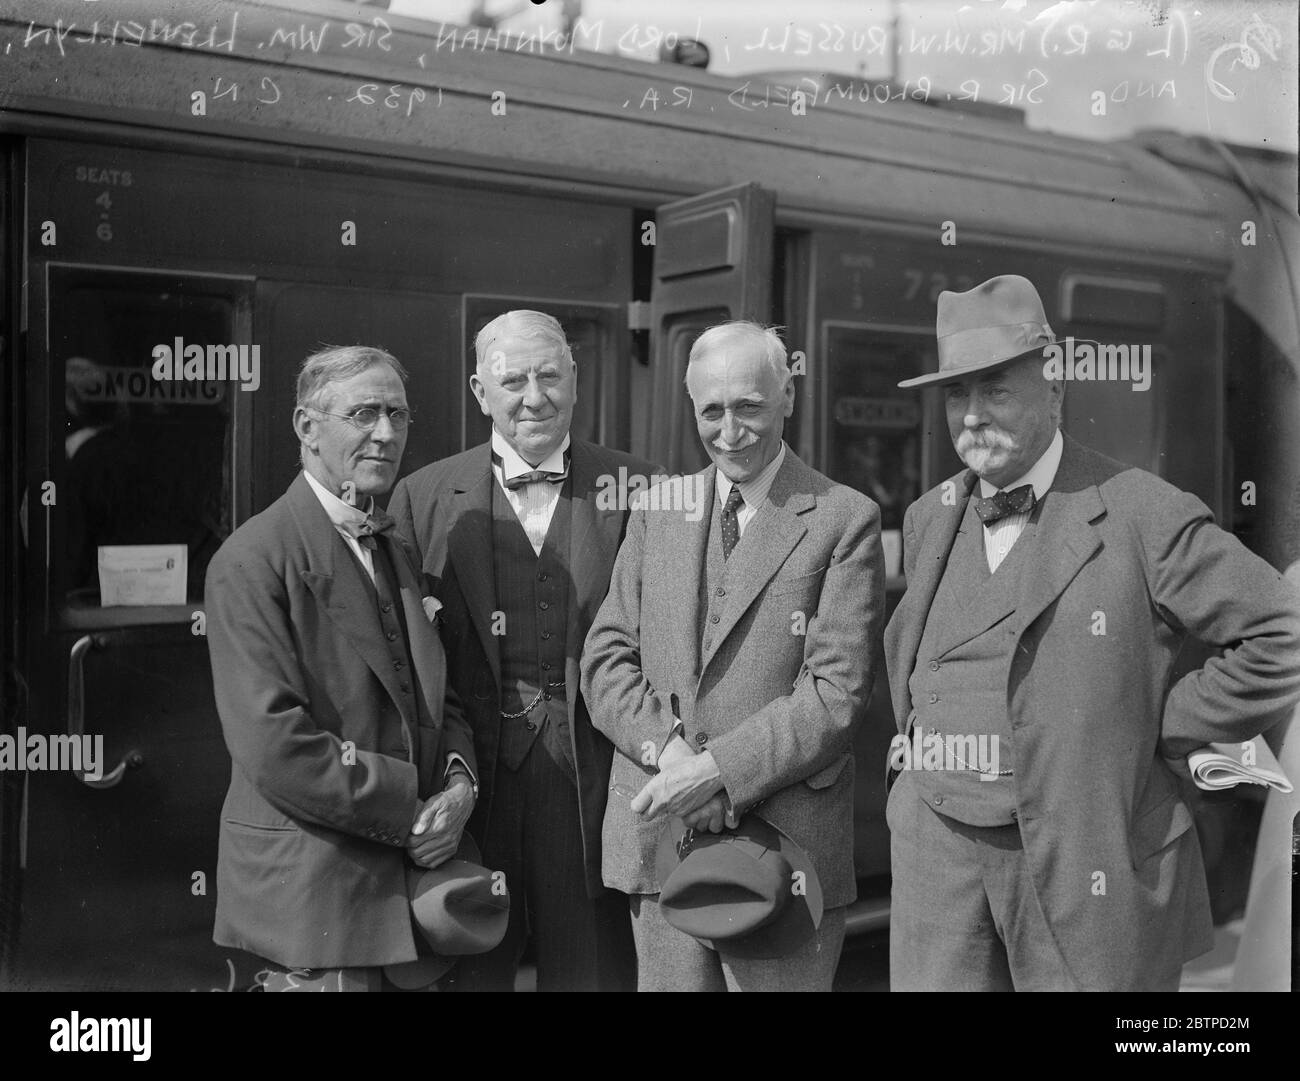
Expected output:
(266, 92)
(302, 39)
(586, 35)
(187, 35)
(1257, 37)
(393, 96)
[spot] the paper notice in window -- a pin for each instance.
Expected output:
(142, 574)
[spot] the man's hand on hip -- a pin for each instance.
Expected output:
(435, 833)
(681, 787)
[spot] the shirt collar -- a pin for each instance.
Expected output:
(1040, 475)
(512, 465)
(753, 491)
(341, 514)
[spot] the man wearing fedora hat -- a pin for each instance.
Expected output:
(730, 663)
(1050, 590)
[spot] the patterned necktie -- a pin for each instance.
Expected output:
(1017, 501)
(730, 521)
(376, 522)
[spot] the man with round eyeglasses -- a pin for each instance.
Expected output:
(352, 761)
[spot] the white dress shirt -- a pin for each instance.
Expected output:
(1003, 534)
(342, 514)
(752, 491)
(534, 503)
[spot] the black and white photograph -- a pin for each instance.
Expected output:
(627, 496)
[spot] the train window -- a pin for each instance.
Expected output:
(876, 437)
(1112, 302)
(599, 415)
(143, 460)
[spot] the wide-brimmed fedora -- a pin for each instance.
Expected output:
(457, 908)
(750, 892)
(999, 321)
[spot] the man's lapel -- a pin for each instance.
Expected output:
(980, 603)
(469, 548)
(424, 641)
(594, 530)
(769, 539)
(688, 550)
(936, 537)
(337, 582)
(1066, 537)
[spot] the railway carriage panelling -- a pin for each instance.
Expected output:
(235, 216)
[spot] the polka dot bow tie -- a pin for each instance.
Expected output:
(1017, 501)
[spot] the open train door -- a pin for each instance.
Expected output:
(713, 262)
(13, 687)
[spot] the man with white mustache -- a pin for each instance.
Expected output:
(731, 662)
(1045, 611)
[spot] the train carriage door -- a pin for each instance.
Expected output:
(137, 465)
(12, 684)
(713, 262)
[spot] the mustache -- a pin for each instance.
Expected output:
(733, 450)
(985, 440)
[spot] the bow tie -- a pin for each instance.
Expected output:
(365, 533)
(533, 476)
(1017, 501)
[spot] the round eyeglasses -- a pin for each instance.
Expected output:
(367, 417)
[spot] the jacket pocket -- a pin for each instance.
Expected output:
(1158, 827)
(824, 778)
(257, 827)
(781, 587)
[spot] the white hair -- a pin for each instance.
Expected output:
(336, 363)
(520, 324)
(741, 333)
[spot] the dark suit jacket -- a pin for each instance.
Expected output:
(779, 692)
(1094, 715)
(446, 509)
(311, 868)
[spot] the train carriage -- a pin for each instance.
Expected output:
(254, 179)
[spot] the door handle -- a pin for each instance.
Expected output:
(77, 716)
